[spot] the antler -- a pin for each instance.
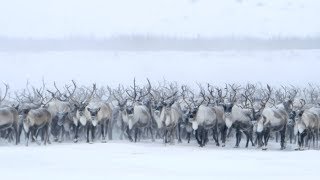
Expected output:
(233, 93)
(133, 95)
(265, 99)
(118, 96)
(183, 93)
(5, 94)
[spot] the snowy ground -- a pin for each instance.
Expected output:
(146, 160)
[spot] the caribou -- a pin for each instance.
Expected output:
(172, 113)
(307, 124)
(274, 120)
(60, 110)
(242, 117)
(122, 113)
(97, 113)
(202, 117)
(9, 118)
(142, 113)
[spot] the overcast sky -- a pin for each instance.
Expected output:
(179, 18)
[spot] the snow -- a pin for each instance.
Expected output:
(297, 67)
(178, 18)
(146, 160)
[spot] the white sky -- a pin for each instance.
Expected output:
(104, 18)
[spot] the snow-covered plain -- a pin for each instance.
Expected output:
(59, 19)
(297, 67)
(146, 160)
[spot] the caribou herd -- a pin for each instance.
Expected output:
(163, 110)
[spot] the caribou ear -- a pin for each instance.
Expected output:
(98, 109)
(300, 113)
(88, 109)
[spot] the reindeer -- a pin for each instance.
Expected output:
(242, 118)
(142, 113)
(170, 116)
(9, 118)
(307, 124)
(60, 110)
(122, 113)
(38, 119)
(222, 109)
(87, 114)
(202, 117)
(275, 119)
(293, 115)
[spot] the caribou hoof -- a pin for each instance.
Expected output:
(223, 145)
(236, 147)
(75, 140)
(103, 141)
(282, 148)
(264, 148)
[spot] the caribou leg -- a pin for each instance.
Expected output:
(197, 136)
(266, 135)
(46, 133)
(152, 134)
(188, 137)
(247, 137)
(282, 138)
(27, 134)
(238, 137)
(301, 140)
(135, 134)
(290, 135)
(165, 137)
(129, 133)
(303, 136)
(277, 136)
(103, 139)
(76, 136)
(20, 132)
(16, 133)
(216, 136)
(88, 132)
(93, 128)
(224, 135)
(109, 128)
(179, 132)
(60, 134)
(317, 137)
(203, 137)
